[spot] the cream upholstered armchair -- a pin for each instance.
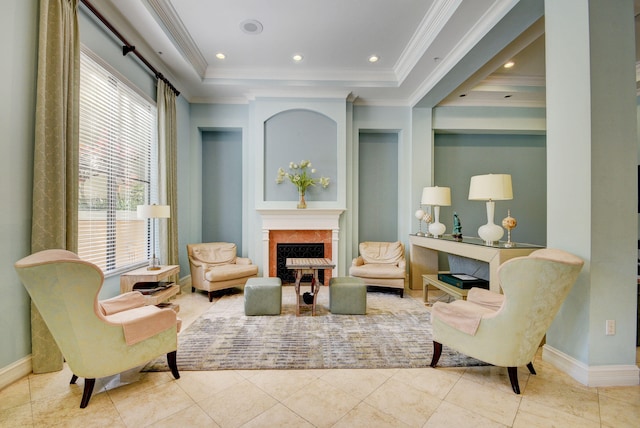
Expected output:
(506, 329)
(96, 338)
(381, 264)
(215, 266)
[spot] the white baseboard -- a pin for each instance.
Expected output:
(15, 371)
(619, 375)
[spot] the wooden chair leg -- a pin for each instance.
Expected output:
(513, 377)
(171, 360)
(74, 378)
(437, 351)
(88, 390)
(531, 369)
(193, 289)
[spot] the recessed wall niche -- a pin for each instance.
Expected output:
(294, 135)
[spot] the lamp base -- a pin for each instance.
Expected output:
(437, 229)
(154, 263)
(490, 233)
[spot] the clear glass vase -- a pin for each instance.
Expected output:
(302, 203)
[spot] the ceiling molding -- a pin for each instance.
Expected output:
(488, 21)
(176, 30)
(313, 78)
(432, 24)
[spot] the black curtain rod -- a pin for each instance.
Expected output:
(128, 47)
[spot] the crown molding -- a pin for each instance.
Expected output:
(176, 30)
(432, 24)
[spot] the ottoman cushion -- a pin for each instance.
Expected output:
(263, 296)
(347, 295)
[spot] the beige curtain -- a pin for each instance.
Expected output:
(168, 170)
(55, 163)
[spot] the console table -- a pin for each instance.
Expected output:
(129, 279)
(424, 255)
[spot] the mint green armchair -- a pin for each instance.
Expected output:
(97, 339)
(506, 329)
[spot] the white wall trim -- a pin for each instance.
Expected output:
(15, 371)
(609, 375)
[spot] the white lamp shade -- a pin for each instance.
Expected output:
(154, 211)
(490, 187)
(440, 196)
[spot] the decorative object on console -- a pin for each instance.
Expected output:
(490, 188)
(457, 227)
(437, 197)
(422, 215)
(301, 178)
(153, 212)
(509, 223)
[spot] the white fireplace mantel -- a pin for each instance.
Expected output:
(301, 219)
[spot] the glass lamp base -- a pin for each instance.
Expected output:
(154, 264)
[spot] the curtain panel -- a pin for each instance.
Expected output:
(168, 169)
(55, 164)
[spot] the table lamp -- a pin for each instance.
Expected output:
(153, 212)
(437, 197)
(490, 188)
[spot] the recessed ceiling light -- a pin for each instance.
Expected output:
(373, 58)
(220, 55)
(251, 26)
(509, 64)
(297, 57)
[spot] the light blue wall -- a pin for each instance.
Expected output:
(201, 119)
(460, 156)
(296, 135)
(378, 186)
(19, 32)
(222, 187)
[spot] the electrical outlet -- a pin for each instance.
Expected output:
(611, 327)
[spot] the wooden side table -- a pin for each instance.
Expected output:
(312, 265)
(129, 279)
(427, 280)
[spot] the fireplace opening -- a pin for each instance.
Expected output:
(306, 250)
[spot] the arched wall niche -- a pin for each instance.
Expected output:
(300, 134)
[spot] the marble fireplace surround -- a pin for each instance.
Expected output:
(299, 226)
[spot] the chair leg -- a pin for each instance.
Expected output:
(437, 351)
(171, 360)
(74, 378)
(210, 296)
(531, 369)
(88, 390)
(513, 377)
(193, 289)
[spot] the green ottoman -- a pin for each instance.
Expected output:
(263, 296)
(347, 295)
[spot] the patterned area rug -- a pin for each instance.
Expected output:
(395, 332)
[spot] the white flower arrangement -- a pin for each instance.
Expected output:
(300, 176)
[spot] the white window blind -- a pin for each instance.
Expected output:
(117, 167)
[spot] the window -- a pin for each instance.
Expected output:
(117, 158)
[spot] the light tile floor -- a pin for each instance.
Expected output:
(455, 397)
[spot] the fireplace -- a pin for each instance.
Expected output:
(299, 226)
(289, 250)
